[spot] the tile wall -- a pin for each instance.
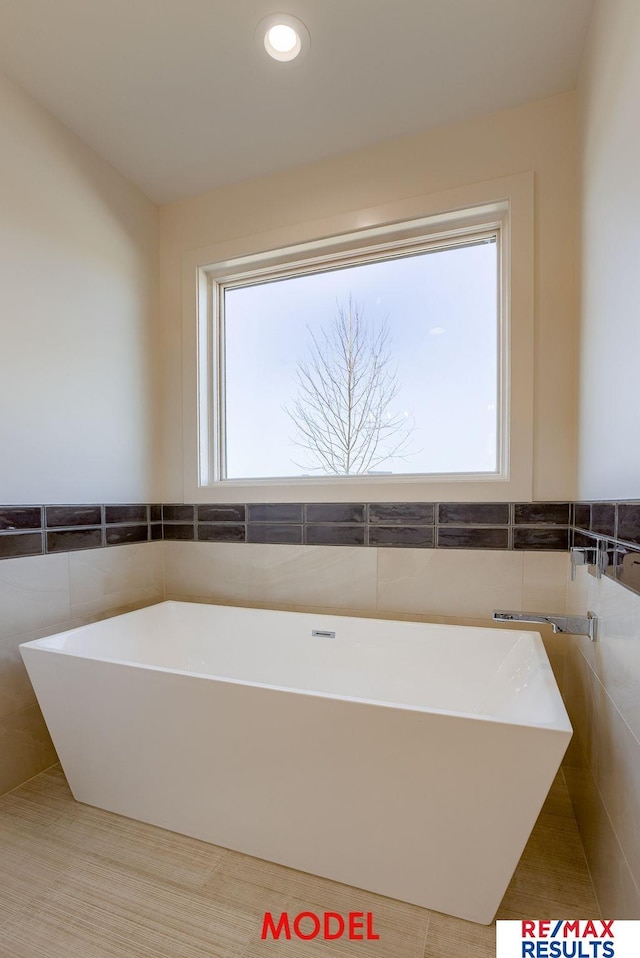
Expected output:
(51, 592)
(35, 530)
(615, 527)
(424, 525)
(450, 563)
(461, 586)
(602, 765)
(48, 593)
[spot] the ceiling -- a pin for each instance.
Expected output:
(179, 97)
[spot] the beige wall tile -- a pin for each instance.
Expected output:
(336, 577)
(364, 613)
(554, 644)
(16, 691)
(579, 704)
(578, 591)
(34, 592)
(25, 747)
(557, 663)
(40, 595)
(602, 690)
(617, 893)
(544, 584)
(616, 768)
(455, 582)
(210, 570)
(104, 579)
(615, 657)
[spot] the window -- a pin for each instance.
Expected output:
(388, 365)
(381, 361)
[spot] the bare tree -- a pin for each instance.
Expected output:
(346, 388)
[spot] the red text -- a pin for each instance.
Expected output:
(356, 926)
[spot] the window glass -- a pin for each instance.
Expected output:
(387, 367)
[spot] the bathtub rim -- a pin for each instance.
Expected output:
(561, 722)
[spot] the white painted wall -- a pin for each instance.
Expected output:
(609, 407)
(539, 137)
(78, 274)
(602, 680)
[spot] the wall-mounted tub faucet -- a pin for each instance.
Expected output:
(568, 624)
(596, 557)
(584, 556)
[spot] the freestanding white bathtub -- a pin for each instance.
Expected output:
(408, 759)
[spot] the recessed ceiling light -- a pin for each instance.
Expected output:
(284, 37)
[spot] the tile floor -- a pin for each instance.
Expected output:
(77, 882)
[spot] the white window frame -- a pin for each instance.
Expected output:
(504, 207)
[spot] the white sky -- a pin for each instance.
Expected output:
(441, 310)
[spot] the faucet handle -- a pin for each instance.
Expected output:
(594, 556)
(578, 557)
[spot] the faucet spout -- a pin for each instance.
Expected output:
(567, 624)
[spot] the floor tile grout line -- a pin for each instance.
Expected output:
(216, 867)
(22, 784)
(434, 922)
(426, 934)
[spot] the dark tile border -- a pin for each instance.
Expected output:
(221, 532)
(402, 513)
(39, 529)
(21, 544)
(119, 535)
(221, 513)
(70, 540)
(468, 537)
(335, 534)
(275, 533)
(27, 530)
(336, 512)
(530, 538)
(407, 537)
(17, 518)
(275, 512)
(58, 517)
(474, 513)
(134, 513)
(627, 527)
(625, 566)
(178, 531)
(614, 526)
(541, 513)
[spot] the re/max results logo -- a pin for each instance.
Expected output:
(568, 938)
